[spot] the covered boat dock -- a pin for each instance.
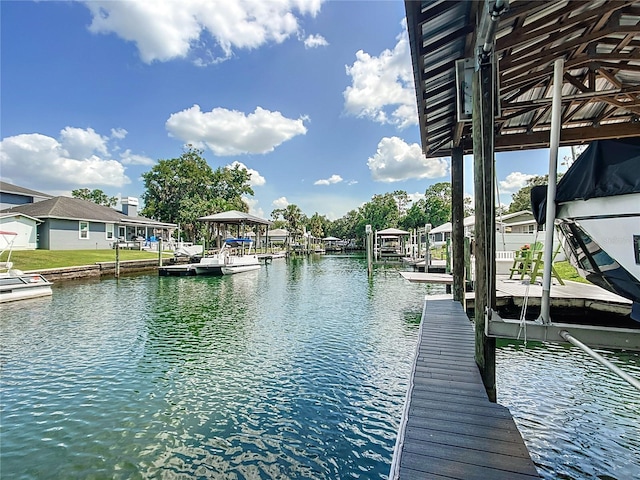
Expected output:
(499, 76)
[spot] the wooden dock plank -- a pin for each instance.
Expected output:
(450, 429)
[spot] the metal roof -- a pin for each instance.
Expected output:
(599, 41)
(235, 217)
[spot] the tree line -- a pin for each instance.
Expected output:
(180, 190)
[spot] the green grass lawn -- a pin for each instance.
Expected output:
(40, 259)
(567, 272)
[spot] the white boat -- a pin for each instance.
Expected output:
(235, 256)
(15, 284)
(598, 215)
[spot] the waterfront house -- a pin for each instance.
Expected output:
(12, 195)
(518, 222)
(74, 224)
(24, 225)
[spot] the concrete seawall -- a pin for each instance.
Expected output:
(97, 269)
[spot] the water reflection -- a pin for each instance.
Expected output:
(577, 418)
(293, 371)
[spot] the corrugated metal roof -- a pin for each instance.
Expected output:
(599, 41)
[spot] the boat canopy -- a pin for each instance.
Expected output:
(606, 168)
(238, 240)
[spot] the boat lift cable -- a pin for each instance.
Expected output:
(525, 302)
(595, 355)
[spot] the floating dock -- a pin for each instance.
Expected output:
(182, 270)
(449, 428)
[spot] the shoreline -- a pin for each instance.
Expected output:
(98, 269)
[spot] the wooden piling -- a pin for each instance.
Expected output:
(117, 260)
(484, 187)
(457, 216)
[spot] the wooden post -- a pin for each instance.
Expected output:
(457, 216)
(483, 167)
(369, 247)
(160, 252)
(117, 260)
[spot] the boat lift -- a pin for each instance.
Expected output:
(543, 329)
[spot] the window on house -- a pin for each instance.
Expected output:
(84, 229)
(109, 230)
(122, 232)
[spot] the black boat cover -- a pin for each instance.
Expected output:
(606, 168)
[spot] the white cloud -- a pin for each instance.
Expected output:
(414, 197)
(382, 88)
(254, 209)
(229, 132)
(256, 180)
(209, 30)
(514, 182)
(329, 181)
(118, 133)
(314, 41)
(395, 161)
(46, 163)
(81, 143)
(281, 202)
(128, 158)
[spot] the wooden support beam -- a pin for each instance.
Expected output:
(483, 155)
(457, 217)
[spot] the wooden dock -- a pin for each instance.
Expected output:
(512, 293)
(450, 430)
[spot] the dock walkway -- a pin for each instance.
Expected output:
(450, 429)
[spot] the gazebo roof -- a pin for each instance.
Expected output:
(235, 217)
(392, 232)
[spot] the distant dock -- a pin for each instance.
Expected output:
(449, 428)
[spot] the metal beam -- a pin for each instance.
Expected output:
(592, 335)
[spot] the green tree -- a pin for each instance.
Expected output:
(180, 190)
(317, 225)
(381, 212)
(521, 200)
(95, 196)
(438, 203)
(294, 220)
(347, 226)
(416, 216)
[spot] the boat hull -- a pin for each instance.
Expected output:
(231, 269)
(23, 287)
(602, 240)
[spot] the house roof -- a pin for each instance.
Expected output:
(68, 208)
(278, 232)
(448, 227)
(508, 216)
(18, 214)
(15, 189)
(235, 217)
(599, 41)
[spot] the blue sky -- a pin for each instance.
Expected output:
(315, 98)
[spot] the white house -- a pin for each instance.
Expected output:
(24, 225)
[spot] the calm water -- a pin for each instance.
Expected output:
(298, 370)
